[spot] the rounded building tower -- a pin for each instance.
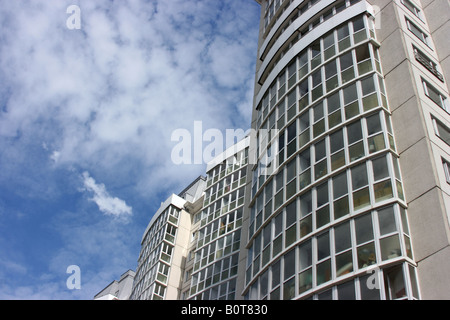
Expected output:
(328, 215)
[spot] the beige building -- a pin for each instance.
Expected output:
(358, 206)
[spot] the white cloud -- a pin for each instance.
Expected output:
(106, 99)
(107, 204)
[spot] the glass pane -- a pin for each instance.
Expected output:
(320, 150)
(276, 274)
(373, 124)
(390, 248)
(368, 86)
(361, 199)
(362, 53)
(346, 61)
(359, 176)
(386, 220)
(340, 185)
(344, 263)
(324, 272)
(368, 293)
(305, 204)
(305, 226)
(356, 151)
(337, 160)
(319, 128)
(321, 169)
(305, 255)
(305, 281)
(346, 291)
(289, 264)
(277, 246)
(289, 289)
(322, 194)
(341, 208)
(334, 119)
(323, 246)
(350, 94)
(380, 168)
(342, 237)
(394, 283)
(322, 216)
(336, 141)
(354, 132)
(351, 110)
(291, 235)
(364, 230)
(305, 179)
(383, 190)
(333, 102)
(366, 255)
(330, 69)
(275, 294)
(376, 143)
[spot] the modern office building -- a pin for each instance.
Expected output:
(350, 187)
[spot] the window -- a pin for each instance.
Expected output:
(304, 90)
(305, 214)
(305, 169)
(347, 70)
(289, 271)
(432, 93)
(364, 240)
(363, 59)
(359, 32)
(351, 104)
(323, 268)
(343, 37)
(319, 120)
(361, 197)
(344, 259)
(291, 226)
(323, 208)
(334, 110)
(446, 165)
(441, 131)
(304, 136)
(331, 76)
(382, 185)
(320, 168)
(355, 141)
(376, 140)
(370, 97)
(411, 7)
(340, 195)
(417, 32)
(305, 263)
(431, 66)
(316, 91)
(337, 150)
(329, 47)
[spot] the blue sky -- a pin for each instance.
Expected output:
(86, 118)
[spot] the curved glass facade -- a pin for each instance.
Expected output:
(219, 224)
(328, 216)
(155, 259)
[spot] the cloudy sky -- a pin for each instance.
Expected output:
(86, 118)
